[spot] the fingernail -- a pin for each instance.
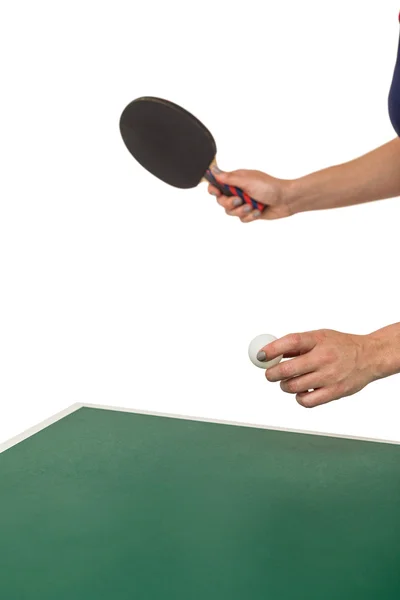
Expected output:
(216, 170)
(214, 193)
(247, 208)
(261, 356)
(237, 202)
(256, 214)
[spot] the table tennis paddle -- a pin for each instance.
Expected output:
(173, 145)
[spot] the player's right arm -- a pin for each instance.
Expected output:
(371, 177)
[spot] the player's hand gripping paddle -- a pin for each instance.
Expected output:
(173, 145)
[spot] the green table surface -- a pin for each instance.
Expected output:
(105, 504)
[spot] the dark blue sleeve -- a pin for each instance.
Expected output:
(394, 95)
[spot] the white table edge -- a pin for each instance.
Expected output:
(74, 407)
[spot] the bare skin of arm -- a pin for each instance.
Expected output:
(374, 176)
(324, 365)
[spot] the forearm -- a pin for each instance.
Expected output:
(384, 353)
(374, 176)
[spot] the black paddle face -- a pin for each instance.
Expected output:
(167, 141)
(173, 145)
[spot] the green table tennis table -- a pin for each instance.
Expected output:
(106, 504)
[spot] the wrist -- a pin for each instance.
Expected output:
(321, 190)
(294, 196)
(383, 352)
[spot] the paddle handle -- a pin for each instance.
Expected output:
(230, 190)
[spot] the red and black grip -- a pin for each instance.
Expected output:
(230, 190)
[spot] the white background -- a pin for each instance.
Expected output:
(116, 289)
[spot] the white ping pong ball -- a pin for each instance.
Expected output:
(258, 344)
